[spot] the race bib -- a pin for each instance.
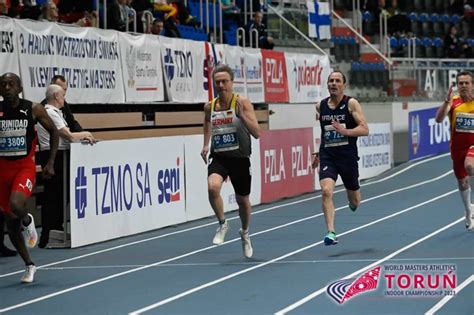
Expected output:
(465, 122)
(13, 143)
(332, 138)
(225, 140)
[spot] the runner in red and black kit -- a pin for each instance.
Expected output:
(342, 121)
(461, 117)
(17, 162)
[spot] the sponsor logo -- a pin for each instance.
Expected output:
(125, 187)
(80, 188)
(345, 289)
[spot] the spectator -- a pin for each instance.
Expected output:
(164, 8)
(66, 110)
(452, 43)
(3, 7)
(264, 41)
(230, 12)
(117, 15)
(183, 15)
(49, 12)
(52, 207)
(157, 27)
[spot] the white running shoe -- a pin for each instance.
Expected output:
(246, 244)
(220, 233)
(29, 233)
(29, 275)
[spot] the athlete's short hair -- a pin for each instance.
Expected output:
(223, 68)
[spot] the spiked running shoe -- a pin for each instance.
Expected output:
(330, 239)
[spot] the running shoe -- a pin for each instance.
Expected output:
(29, 233)
(353, 208)
(246, 244)
(220, 233)
(330, 239)
(29, 275)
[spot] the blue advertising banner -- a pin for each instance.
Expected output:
(425, 136)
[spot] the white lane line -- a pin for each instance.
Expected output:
(231, 241)
(446, 299)
(235, 274)
(378, 262)
(249, 263)
(214, 223)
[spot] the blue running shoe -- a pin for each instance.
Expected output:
(352, 207)
(330, 239)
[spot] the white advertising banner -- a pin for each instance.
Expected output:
(234, 58)
(117, 192)
(141, 66)
(88, 57)
(254, 75)
(375, 151)
(197, 202)
(307, 77)
(8, 47)
(183, 62)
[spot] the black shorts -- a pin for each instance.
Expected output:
(347, 168)
(238, 169)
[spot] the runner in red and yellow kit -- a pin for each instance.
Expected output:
(461, 116)
(17, 163)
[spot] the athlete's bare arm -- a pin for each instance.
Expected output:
(207, 131)
(40, 115)
(246, 112)
(443, 110)
(362, 128)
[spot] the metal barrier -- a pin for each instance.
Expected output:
(254, 31)
(147, 19)
(239, 31)
(127, 21)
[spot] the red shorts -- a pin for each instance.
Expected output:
(17, 175)
(459, 156)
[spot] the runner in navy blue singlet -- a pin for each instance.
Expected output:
(342, 121)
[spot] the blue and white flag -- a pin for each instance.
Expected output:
(319, 19)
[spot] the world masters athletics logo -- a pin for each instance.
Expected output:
(344, 289)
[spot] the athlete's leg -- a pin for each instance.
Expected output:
(327, 188)
(15, 219)
(463, 170)
(245, 209)
(214, 185)
(354, 198)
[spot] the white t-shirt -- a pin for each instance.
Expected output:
(43, 136)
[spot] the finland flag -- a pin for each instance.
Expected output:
(319, 19)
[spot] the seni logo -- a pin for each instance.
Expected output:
(169, 184)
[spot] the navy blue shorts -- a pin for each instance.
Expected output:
(347, 168)
(238, 169)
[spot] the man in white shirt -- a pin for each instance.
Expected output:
(52, 204)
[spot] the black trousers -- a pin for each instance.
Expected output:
(52, 199)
